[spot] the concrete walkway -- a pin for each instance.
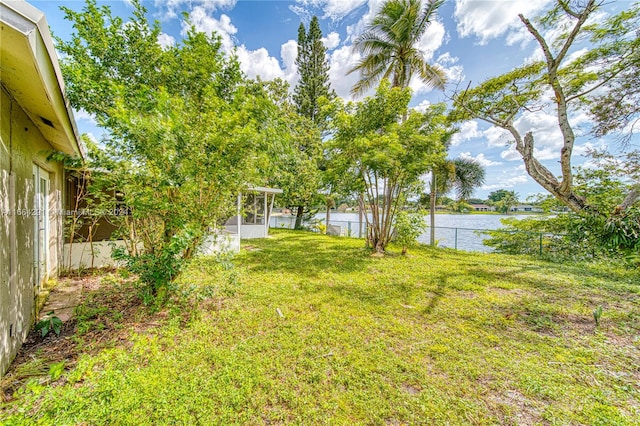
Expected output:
(64, 298)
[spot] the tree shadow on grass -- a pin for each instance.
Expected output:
(395, 295)
(518, 277)
(438, 294)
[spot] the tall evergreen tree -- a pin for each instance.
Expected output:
(313, 69)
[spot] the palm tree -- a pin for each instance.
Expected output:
(388, 46)
(463, 175)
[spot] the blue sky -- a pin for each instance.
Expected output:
(471, 39)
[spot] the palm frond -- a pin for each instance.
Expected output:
(427, 16)
(431, 75)
(469, 175)
(387, 46)
(371, 41)
(371, 72)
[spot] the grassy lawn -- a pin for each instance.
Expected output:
(310, 329)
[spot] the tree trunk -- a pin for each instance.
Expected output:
(432, 210)
(327, 216)
(562, 190)
(360, 212)
(631, 197)
(299, 215)
(330, 203)
(542, 175)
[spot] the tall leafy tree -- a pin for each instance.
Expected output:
(313, 69)
(389, 49)
(572, 79)
(296, 165)
(385, 156)
(186, 132)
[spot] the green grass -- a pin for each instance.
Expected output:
(435, 337)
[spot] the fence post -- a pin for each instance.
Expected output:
(541, 244)
(349, 228)
(456, 240)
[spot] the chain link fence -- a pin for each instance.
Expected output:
(467, 239)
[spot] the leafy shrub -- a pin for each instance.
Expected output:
(156, 270)
(571, 236)
(408, 227)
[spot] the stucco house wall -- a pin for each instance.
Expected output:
(23, 146)
(35, 119)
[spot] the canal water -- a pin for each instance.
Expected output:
(461, 231)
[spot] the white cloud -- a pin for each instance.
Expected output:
(447, 59)
(341, 61)
(334, 9)
(547, 137)
(353, 31)
(453, 70)
(430, 41)
(422, 106)
(93, 137)
(490, 19)
(258, 63)
(303, 12)
(536, 56)
(332, 40)
(480, 159)
(507, 180)
(519, 35)
(202, 21)
(454, 74)
(338, 9)
(254, 63)
(84, 115)
(169, 8)
(166, 41)
(544, 126)
(288, 53)
(510, 154)
(468, 130)
(497, 137)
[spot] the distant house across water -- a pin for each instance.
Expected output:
(527, 208)
(483, 208)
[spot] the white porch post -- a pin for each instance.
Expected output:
(266, 216)
(239, 210)
(273, 197)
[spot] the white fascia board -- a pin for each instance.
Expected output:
(31, 22)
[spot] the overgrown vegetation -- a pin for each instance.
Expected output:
(311, 329)
(186, 132)
(584, 235)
